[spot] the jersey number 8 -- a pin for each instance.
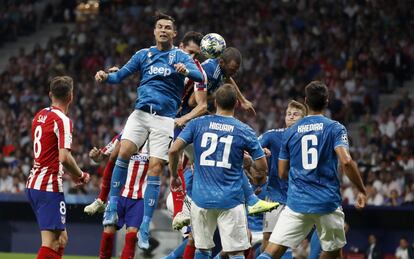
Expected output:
(37, 147)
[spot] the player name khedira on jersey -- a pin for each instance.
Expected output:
(310, 127)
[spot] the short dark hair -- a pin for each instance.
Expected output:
(162, 16)
(194, 36)
(316, 95)
(230, 54)
(226, 97)
(61, 87)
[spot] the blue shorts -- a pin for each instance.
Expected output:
(49, 208)
(130, 212)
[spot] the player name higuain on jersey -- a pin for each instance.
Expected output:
(222, 127)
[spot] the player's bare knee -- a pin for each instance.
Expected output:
(156, 166)
(132, 229)
(63, 239)
(127, 149)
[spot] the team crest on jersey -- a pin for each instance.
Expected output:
(171, 57)
(63, 219)
(42, 118)
(345, 138)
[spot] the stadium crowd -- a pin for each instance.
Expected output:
(358, 48)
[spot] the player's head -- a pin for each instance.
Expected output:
(230, 61)
(164, 30)
(294, 112)
(191, 43)
(61, 89)
(226, 97)
(316, 96)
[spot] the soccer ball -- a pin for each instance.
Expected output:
(212, 45)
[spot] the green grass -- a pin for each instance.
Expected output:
(31, 256)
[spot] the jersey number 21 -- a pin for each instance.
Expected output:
(214, 139)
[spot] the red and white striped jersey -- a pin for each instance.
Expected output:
(136, 181)
(107, 150)
(51, 131)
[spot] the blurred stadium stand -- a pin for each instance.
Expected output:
(362, 49)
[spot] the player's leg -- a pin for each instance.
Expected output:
(204, 224)
(291, 229)
(315, 246)
(179, 251)
(50, 245)
(63, 241)
(50, 211)
(232, 225)
(189, 250)
(98, 206)
(161, 130)
(331, 232)
(134, 211)
(255, 205)
(107, 242)
(269, 224)
(134, 135)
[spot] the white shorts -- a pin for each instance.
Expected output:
(257, 237)
(270, 219)
(232, 225)
(159, 131)
(292, 229)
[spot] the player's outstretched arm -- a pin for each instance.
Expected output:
(200, 109)
(245, 104)
(173, 158)
(116, 75)
(67, 160)
(283, 168)
(351, 169)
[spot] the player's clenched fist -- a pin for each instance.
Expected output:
(96, 155)
(181, 68)
(83, 179)
(101, 76)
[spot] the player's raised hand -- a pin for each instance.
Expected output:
(96, 155)
(180, 68)
(176, 184)
(180, 122)
(83, 179)
(101, 76)
(361, 201)
(248, 106)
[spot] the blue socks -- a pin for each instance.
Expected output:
(150, 200)
(264, 255)
(118, 179)
(249, 196)
(178, 252)
(202, 254)
(236, 257)
(288, 254)
(119, 176)
(315, 246)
